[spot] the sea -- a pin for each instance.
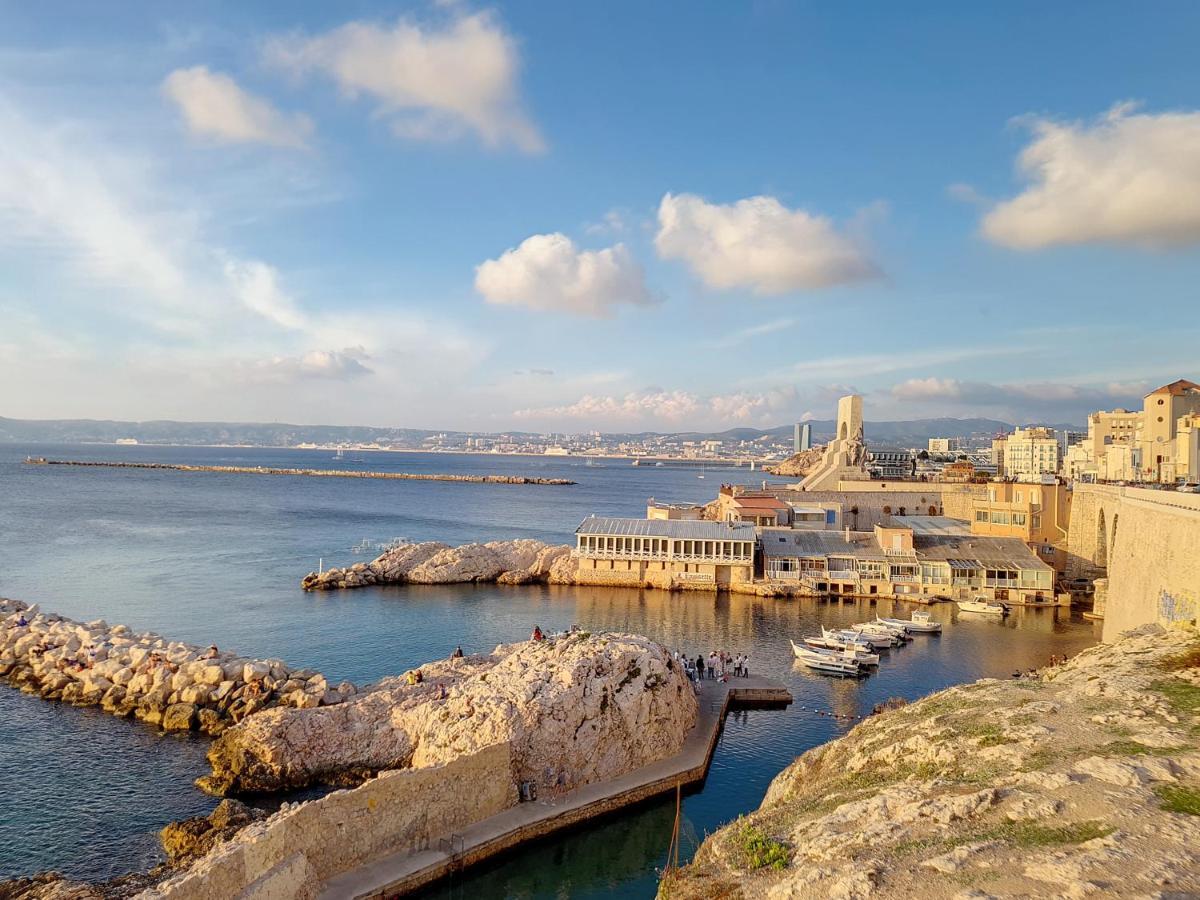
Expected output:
(217, 558)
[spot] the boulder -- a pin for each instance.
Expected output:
(188, 840)
(179, 717)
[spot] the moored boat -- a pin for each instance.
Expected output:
(986, 607)
(860, 654)
(820, 662)
(920, 622)
(874, 641)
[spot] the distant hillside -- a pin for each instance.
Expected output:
(909, 433)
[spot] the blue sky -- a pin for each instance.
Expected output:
(613, 216)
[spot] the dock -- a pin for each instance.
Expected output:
(312, 473)
(402, 873)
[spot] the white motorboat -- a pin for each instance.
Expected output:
(986, 607)
(820, 662)
(874, 641)
(859, 654)
(920, 622)
(894, 636)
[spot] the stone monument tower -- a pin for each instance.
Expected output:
(845, 457)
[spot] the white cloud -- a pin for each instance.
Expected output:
(743, 335)
(430, 83)
(654, 408)
(1060, 401)
(213, 105)
(548, 272)
(1127, 177)
(256, 285)
(336, 365)
(758, 243)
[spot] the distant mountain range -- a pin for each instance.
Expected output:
(906, 433)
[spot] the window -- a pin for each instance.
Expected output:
(1018, 518)
(981, 515)
(1000, 518)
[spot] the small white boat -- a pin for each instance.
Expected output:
(986, 607)
(874, 641)
(919, 622)
(819, 662)
(872, 631)
(881, 627)
(859, 654)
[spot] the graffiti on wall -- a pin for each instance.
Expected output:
(1176, 607)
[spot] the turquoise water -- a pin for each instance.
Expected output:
(217, 558)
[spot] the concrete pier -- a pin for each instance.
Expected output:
(402, 873)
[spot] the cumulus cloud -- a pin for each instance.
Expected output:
(430, 82)
(548, 272)
(758, 243)
(655, 406)
(1019, 402)
(1127, 177)
(214, 106)
(333, 365)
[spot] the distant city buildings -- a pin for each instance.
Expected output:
(1030, 453)
(943, 445)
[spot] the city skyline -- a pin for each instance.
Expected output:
(482, 218)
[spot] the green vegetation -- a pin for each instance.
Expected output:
(988, 734)
(1178, 798)
(1182, 695)
(1031, 834)
(759, 850)
(1133, 748)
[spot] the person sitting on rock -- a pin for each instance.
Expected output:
(210, 653)
(22, 622)
(415, 677)
(457, 654)
(537, 633)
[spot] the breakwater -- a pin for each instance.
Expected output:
(309, 473)
(169, 684)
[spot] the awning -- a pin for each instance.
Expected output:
(964, 565)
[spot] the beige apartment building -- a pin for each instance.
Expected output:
(1038, 514)
(664, 553)
(1030, 452)
(943, 445)
(1161, 412)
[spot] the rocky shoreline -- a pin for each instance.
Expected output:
(1084, 781)
(312, 473)
(169, 684)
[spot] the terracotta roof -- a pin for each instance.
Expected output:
(760, 503)
(1175, 388)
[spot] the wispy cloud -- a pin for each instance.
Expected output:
(214, 106)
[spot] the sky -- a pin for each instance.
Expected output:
(573, 217)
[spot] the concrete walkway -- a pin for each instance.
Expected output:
(402, 873)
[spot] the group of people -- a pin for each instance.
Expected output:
(719, 666)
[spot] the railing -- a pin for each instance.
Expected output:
(660, 557)
(897, 576)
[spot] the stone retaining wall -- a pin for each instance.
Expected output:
(294, 852)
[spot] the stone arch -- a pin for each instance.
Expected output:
(1101, 541)
(1112, 535)
(845, 431)
(902, 512)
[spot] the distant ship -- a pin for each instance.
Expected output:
(127, 441)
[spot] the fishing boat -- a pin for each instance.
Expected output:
(920, 622)
(856, 652)
(985, 607)
(819, 662)
(874, 641)
(874, 629)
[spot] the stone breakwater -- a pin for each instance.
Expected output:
(170, 684)
(313, 473)
(573, 710)
(503, 562)
(1084, 781)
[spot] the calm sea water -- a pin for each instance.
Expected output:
(217, 558)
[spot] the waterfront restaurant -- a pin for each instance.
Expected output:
(666, 553)
(894, 562)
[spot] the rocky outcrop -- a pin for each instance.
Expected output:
(186, 841)
(573, 709)
(799, 464)
(48, 886)
(169, 684)
(504, 562)
(1084, 781)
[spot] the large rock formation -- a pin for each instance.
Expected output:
(799, 464)
(573, 709)
(1084, 781)
(506, 562)
(169, 684)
